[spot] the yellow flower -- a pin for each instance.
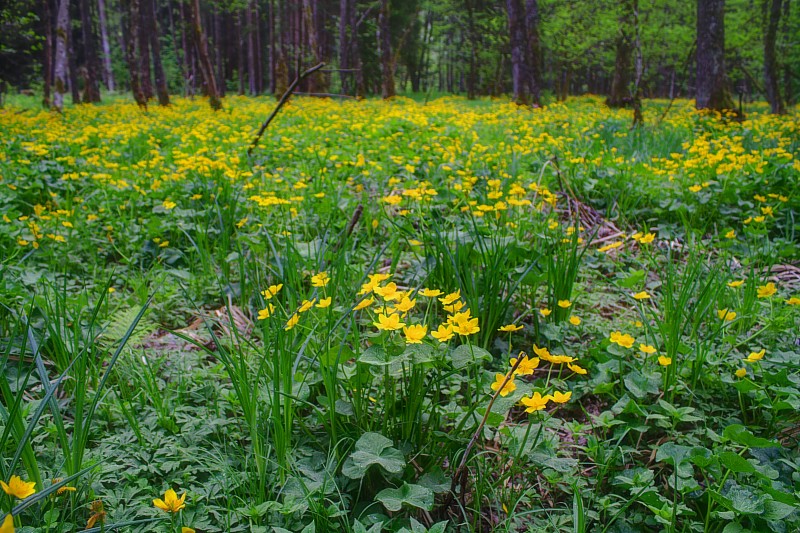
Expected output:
(559, 359)
(736, 283)
(388, 323)
(98, 514)
(564, 304)
(325, 302)
(726, 315)
(265, 313)
(536, 402)
(562, 397)
(641, 296)
(576, 368)
(647, 239)
(271, 291)
(464, 325)
(454, 307)
(450, 298)
(8, 524)
(765, 291)
(65, 488)
(444, 333)
(646, 348)
(171, 503)
(389, 292)
(574, 320)
(610, 246)
(366, 302)
(623, 339)
(696, 188)
(756, 356)
(741, 372)
(430, 293)
(664, 360)
(526, 366)
(508, 387)
(292, 322)
(169, 204)
(545, 312)
(794, 300)
(18, 488)
(320, 280)
(415, 333)
(185, 529)
(306, 305)
(730, 235)
(509, 328)
(405, 305)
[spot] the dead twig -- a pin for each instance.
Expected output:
(282, 102)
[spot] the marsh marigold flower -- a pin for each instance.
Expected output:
(430, 293)
(741, 372)
(18, 488)
(415, 333)
(526, 366)
(765, 291)
(509, 328)
(564, 304)
(663, 360)
(388, 323)
(171, 503)
(507, 388)
(756, 356)
(545, 312)
(444, 333)
(325, 302)
(562, 397)
(646, 348)
(8, 524)
(535, 402)
(574, 320)
(366, 302)
(576, 368)
(320, 280)
(644, 295)
(98, 514)
(623, 339)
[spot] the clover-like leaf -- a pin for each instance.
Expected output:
(413, 495)
(373, 449)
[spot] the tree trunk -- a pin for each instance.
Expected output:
(130, 38)
(251, 50)
(517, 40)
(216, 20)
(344, 46)
(60, 67)
(638, 117)
(206, 69)
(144, 51)
(534, 51)
(788, 94)
(472, 76)
(620, 94)
(92, 89)
(109, 73)
(712, 91)
(385, 50)
(771, 85)
(47, 56)
(151, 30)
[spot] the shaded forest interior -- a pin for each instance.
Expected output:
(712, 50)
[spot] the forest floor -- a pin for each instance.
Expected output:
(399, 316)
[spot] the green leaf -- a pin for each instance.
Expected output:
(419, 353)
(776, 510)
(376, 356)
(466, 355)
(641, 385)
(413, 495)
(373, 449)
(672, 453)
(741, 435)
(736, 462)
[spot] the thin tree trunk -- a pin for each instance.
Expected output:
(620, 94)
(74, 76)
(240, 48)
(638, 117)
(272, 44)
(385, 50)
(251, 50)
(517, 39)
(109, 73)
(259, 58)
(771, 83)
(788, 94)
(130, 41)
(344, 46)
(151, 29)
(712, 91)
(92, 90)
(47, 56)
(144, 51)
(60, 67)
(534, 51)
(472, 77)
(206, 69)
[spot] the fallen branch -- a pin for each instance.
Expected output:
(282, 102)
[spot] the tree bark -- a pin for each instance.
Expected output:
(251, 50)
(534, 51)
(344, 45)
(143, 42)
(155, 48)
(638, 116)
(72, 65)
(130, 37)
(109, 73)
(47, 56)
(60, 61)
(712, 91)
(517, 40)
(384, 37)
(472, 76)
(91, 62)
(787, 65)
(771, 84)
(620, 94)
(206, 69)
